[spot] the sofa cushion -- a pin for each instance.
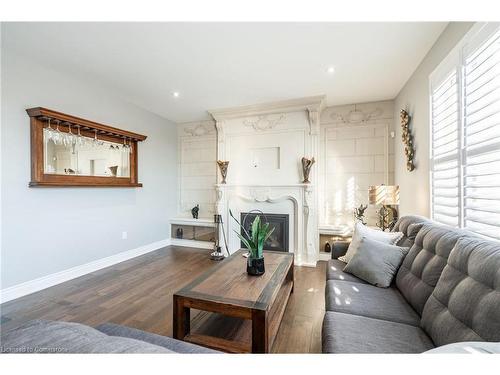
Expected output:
(345, 333)
(368, 300)
(41, 336)
(465, 305)
(334, 271)
(169, 343)
(376, 262)
(421, 268)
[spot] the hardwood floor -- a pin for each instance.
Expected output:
(138, 293)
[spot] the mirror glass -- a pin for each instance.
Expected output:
(83, 156)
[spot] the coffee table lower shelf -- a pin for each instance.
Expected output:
(218, 343)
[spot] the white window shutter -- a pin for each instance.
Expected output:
(445, 148)
(481, 135)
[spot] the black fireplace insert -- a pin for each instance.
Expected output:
(278, 241)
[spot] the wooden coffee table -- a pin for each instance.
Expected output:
(227, 289)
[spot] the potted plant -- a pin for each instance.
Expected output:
(254, 241)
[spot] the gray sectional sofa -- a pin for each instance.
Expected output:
(446, 291)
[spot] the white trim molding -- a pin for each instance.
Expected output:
(32, 286)
(311, 104)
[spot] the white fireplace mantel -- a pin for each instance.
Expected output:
(264, 145)
(293, 200)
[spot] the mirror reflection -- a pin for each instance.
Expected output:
(74, 154)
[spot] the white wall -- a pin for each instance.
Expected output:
(356, 151)
(197, 168)
(364, 150)
(414, 97)
(46, 230)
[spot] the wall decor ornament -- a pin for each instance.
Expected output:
(264, 122)
(306, 168)
(200, 129)
(359, 213)
(407, 140)
(195, 211)
(357, 116)
(223, 169)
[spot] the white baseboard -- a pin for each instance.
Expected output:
(44, 282)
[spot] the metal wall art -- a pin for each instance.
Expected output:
(407, 140)
(306, 168)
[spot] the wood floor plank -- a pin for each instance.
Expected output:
(138, 293)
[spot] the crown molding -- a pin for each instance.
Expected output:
(311, 104)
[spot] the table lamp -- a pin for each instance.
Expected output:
(387, 196)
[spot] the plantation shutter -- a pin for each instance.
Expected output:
(445, 149)
(481, 141)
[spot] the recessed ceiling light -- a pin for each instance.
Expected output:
(330, 70)
(175, 94)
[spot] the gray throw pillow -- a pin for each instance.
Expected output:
(376, 262)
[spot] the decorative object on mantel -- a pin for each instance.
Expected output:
(223, 169)
(195, 210)
(407, 140)
(254, 241)
(306, 168)
(359, 213)
(328, 248)
(89, 148)
(217, 253)
(387, 196)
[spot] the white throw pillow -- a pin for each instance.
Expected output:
(360, 231)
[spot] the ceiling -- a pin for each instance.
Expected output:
(217, 65)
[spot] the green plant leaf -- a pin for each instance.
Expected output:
(241, 226)
(269, 234)
(256, 229)
(248, 243)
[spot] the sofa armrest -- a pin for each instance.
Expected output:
(169, 343)
(339, 248)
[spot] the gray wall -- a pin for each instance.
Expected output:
(46, 230)
(414, 97)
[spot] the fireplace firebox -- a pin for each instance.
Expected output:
(278, 241)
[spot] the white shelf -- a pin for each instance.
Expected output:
(332, 230)
(201, 222)
(324, 256)
(192, 243)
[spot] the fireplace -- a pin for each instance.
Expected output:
(278, 241)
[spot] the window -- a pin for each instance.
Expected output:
(465, 136)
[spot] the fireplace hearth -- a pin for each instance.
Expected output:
(278, 241)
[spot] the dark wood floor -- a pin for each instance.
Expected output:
(138, 293)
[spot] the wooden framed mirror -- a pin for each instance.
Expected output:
(71, 151)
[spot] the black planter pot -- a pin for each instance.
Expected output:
(255, 266)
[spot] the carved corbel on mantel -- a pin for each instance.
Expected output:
(314, 120)
(407, 139)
